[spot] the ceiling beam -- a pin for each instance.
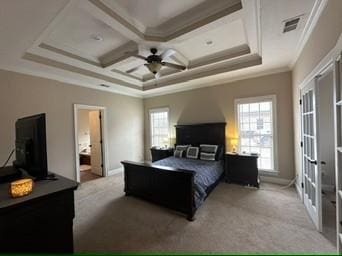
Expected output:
(60, 65)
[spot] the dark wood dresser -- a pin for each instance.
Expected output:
(160, 153)
(242, 169)
(41, 222)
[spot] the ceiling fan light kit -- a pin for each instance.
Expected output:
(154, 67)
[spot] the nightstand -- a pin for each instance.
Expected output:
(160, 153)
(242, 169)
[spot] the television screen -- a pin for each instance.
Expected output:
(30, 145)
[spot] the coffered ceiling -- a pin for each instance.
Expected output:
(94, 43)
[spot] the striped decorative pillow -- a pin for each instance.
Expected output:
(207, 156)
(206, 148)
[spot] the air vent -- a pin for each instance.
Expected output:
(291, 24)
(104, 85)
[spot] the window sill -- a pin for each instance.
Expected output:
(268, 173)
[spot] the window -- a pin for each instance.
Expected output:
(256, 127)
(159, 125)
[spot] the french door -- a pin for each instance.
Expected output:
(311, 164)
(338, 146)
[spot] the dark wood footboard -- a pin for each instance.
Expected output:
(166, 186)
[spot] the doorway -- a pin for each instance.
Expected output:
(90, 142)
(326, 150)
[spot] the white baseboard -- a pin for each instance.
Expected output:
(115, 171)
(275, 180)
(328, 187)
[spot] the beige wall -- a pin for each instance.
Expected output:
(23, 95)
(323, 38)
(216, 104)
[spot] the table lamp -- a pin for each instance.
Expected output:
(233, 143)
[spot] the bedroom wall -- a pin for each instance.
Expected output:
(323, 38)
(23, 95)
(216, 104)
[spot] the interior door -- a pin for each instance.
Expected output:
(310, 154)
(95, 142)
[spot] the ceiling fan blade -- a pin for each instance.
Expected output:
(132, 54)
(167, 53)
(133, 69)
(171, 65)
(139, 56)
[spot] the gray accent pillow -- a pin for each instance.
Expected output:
(207, 156)
(206, 148)
(192, 152)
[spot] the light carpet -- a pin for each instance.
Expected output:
(232, 219)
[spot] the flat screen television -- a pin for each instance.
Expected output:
(30, 146)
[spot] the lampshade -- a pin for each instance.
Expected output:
(233, 143)
(154, 67)
(21, 187)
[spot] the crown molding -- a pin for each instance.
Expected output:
(218, 82)
(313, 18)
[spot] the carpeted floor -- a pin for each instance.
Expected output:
(232, 219)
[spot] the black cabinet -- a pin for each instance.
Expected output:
(41, 222)
(242, 169)
(160, 153)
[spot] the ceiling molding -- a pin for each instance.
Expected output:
(68, 54)
(316, 12)
(71, 81)
(220, 56)
(212, 64)
(60, 65)
(235, 64)
(183, 87)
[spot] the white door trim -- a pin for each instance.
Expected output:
(105, 158)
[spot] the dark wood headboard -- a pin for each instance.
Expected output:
(196, 134)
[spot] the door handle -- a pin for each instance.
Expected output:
(323, 163)
(313, 162)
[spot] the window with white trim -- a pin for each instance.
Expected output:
(256, 127)
(159, 127)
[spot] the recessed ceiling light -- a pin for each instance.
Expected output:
(209, 42)
(97, 37)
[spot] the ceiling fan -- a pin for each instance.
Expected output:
(155, 62)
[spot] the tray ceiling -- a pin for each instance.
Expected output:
(94, 42)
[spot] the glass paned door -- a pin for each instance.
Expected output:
(311, 177)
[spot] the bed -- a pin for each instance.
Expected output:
(179, 184)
